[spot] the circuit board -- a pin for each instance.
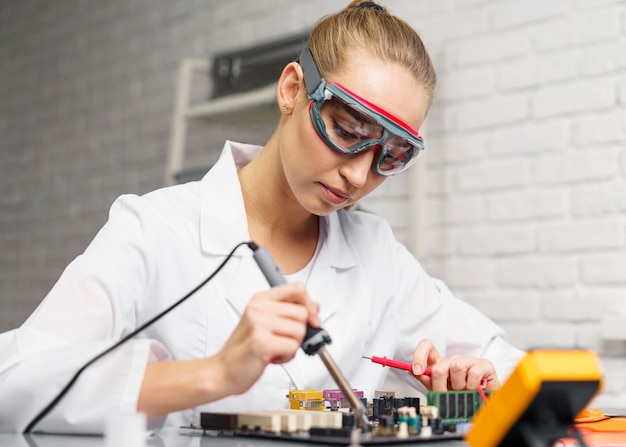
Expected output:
(324, 418)
(345, 438)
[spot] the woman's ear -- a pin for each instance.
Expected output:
(289, 84)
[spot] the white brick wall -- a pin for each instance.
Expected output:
(525, 207)
(523, 210)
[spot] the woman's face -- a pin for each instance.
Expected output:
(324, 180)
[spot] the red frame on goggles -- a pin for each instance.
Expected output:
(398, 145)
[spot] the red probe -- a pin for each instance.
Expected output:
(395, 364)
(408, 367)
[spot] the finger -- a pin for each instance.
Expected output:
(259, 343)
(261, 310)
(312, 307)
(285, 327)
(244, 361)
(290, 292)
(493, 383)
(483, 374)
(425, 380)
(439, 375)
(314, 310)
(261, 327)
(284, 350)
(425, 354)
(295, 293)
(276, 348)
(459, 370)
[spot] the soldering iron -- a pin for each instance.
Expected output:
(315, 339)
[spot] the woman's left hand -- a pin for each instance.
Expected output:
(454, 373)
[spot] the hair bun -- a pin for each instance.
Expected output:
(371, 5)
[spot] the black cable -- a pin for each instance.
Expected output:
(43, 413)
(30, 441)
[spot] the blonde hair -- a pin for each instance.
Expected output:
(372, 28)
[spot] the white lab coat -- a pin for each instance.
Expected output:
(374, 297)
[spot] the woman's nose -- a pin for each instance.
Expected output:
(356, 167)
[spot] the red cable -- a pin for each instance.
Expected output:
(481, 390)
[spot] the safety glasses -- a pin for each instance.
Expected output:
(350, 124)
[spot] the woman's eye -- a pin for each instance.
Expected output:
(346, 132)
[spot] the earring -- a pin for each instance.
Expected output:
(284, 109)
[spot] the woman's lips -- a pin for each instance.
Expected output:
(334, 196)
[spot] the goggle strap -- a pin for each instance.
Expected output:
(312, 76)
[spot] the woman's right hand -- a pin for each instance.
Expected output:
(270, 331)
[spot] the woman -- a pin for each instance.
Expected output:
(234, 345)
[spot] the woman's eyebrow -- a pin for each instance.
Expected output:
(359, 116)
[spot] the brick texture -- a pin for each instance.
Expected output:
(525, 176)
(522, 204)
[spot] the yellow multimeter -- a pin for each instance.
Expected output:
(537, 405)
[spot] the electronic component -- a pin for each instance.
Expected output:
(335, 400)
(431, 422)
(387, 405)
(306, 400)
(412, 419)
(455, 406)
(538, 403)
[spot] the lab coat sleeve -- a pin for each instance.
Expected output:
(108, 387)
(431, 311)
(96, 301)
(470, 332)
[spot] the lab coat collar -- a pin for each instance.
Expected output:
(336, 252)
(223, 220)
